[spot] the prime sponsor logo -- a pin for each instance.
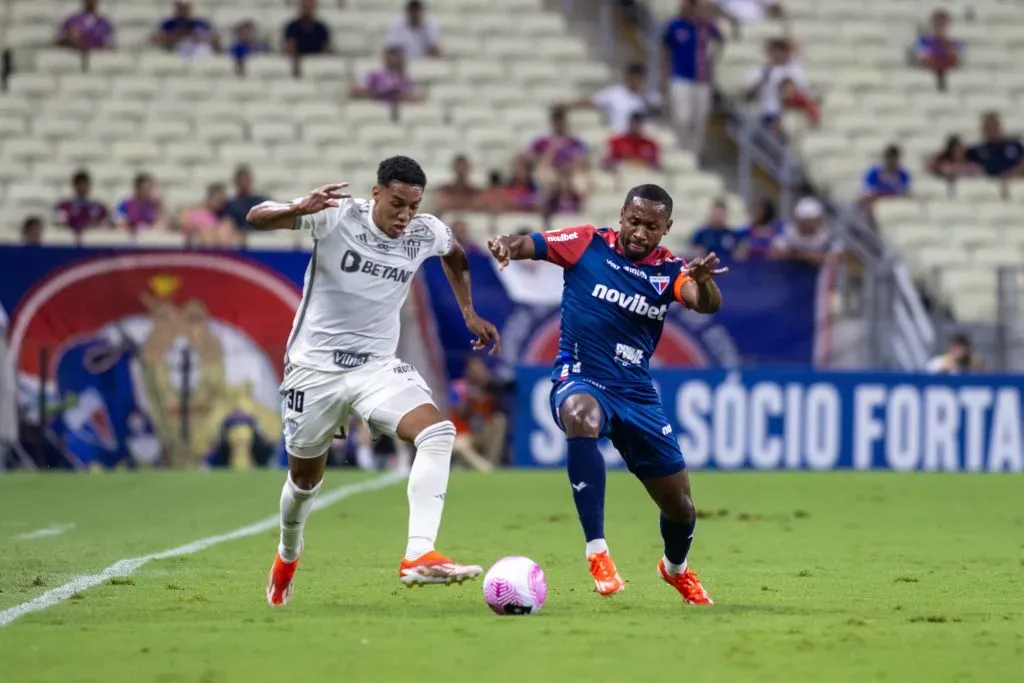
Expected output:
(564, 237)
(634, 303)
(352, 262)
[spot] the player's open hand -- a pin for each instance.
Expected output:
(500, 250)
(486, 334)
(326, 197)
(705, 268)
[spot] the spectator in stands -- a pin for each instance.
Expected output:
(247, 43)
(245, 198)
(558, 149)
(794, 98)
(81, 212)
(143, 210)
(887, 179)
(390, 83)
(959, 358)
(951, 163)
(480, 426)
(633, 147)
(87, 30)
(938, 52)
(765, 82)
(521, 190)
(619, 102)
(999, 156)
(687, 44)
(755, 241)
(458, 194)
(306, 35)
(716, 235)
(204, 223)
(185, 34)
(806, 240)
(564, 196)
(32, 231)
(751, 11)
(414, 32)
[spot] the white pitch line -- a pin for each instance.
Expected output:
(130, 565)
(54, 530)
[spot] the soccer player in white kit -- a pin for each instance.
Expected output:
(341, 362)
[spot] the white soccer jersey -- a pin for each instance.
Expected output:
(355, 285)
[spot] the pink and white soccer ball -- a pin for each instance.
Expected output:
(515, 585)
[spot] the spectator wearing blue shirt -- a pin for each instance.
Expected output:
(755, 240)
(887, 179)
(247, 43)
(938, 52)
(185, 34)
(686, 71)
(716, 235)
(306, 35)
(998, 156)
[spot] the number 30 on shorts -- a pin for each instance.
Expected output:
(295, 400)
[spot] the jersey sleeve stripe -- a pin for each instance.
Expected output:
(540, 246)
(677, 288)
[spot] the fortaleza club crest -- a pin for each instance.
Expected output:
(156, 357)
(659, 282)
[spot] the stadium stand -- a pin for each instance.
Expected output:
(858, 57)
(189, 123)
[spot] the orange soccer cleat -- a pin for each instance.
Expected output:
(607, 579)
(280, 581)
(435, 568)
(687, 583)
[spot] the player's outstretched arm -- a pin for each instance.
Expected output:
(511, 248)
(699, 291)
(285, 215)
(456, 268)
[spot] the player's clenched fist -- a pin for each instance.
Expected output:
(322, 198)
(500, 250)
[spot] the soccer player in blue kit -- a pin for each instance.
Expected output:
(618, 288)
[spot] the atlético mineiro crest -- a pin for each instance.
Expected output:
(660, 282)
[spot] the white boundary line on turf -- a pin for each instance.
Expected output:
(53, 530)
(130, 565)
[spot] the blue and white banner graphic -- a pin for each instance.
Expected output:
(774, 313)
(803, 419)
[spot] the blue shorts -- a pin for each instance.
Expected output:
(634, 420)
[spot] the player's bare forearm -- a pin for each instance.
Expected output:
(273, 216)
(702, 297)
(456, 268)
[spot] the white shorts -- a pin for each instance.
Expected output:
(316, 404)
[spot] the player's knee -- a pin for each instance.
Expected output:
(306, 473)
(581, 419)
(679, 508)
(439, 436)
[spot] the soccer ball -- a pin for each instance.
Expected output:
(515, 585)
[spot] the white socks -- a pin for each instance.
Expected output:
(296, 504)
(428, 483)
(598, 545)
(671, 568)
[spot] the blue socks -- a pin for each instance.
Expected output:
(677, 536)
(587, 477)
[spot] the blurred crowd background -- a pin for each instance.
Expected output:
(872, 145)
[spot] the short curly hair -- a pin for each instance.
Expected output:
(401, 169)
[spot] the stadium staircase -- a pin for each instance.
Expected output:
(856, 57)
(190, 123)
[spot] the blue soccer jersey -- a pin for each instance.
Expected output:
(613, 309)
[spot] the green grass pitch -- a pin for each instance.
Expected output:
(817, 577)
